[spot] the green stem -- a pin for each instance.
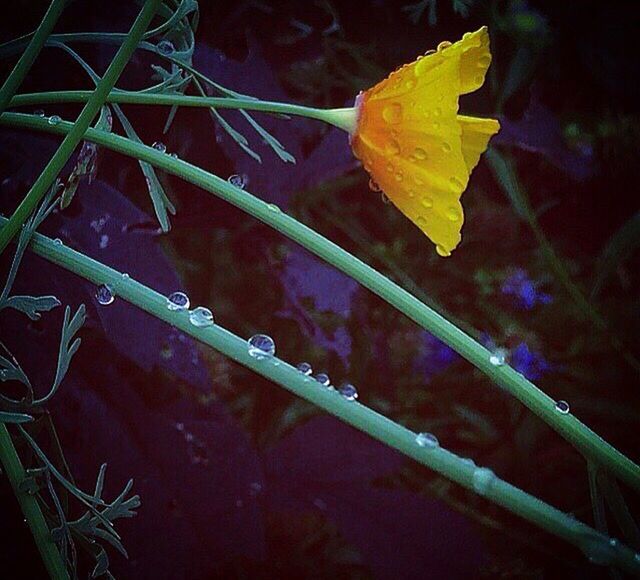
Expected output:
(28, 57)
(583, 438)
(75, 135)
(450, 465)
(30, 508)
(344, 118)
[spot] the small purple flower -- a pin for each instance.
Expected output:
(524, 290)
(530, 363)
(433, 355)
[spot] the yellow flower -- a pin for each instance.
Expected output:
(413, 143)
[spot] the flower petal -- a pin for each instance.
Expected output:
(476, 133)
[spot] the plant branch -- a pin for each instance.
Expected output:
(30, 508)
(591, 445)
(481, 480)
(76, 133)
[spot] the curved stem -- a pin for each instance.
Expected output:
(569, 426)
(15, 78)
(481, 480)
(30, 508)
(343, 118)
(74, 136)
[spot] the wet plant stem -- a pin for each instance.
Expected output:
(448, 464)
(34, 517)
(592, 446)
(342, 118)
(74, 136)
(28, 57)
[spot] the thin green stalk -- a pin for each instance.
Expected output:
(75, 135)
(480, 480)
(28, 57)
(583, 438)
(344, 118)
(30, 508)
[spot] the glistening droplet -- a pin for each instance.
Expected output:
(305, 368)
(201, 317)
(178, 301)
(427, 440)
(104, 295)
(348, 391)
(158, 146)
(165, 47)
(54, 120)
(563, 407)
(237, 180)
(483, 478)
(261, 346)
(392, 113)
(498, 357)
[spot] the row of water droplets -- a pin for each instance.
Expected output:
(498, 358)
(52, 120)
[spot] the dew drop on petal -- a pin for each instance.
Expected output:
(201, 317)
(54, 120)
(426, 202)
(104, 295)
(384, 198)
(373, 186)
(158, 146)
(261, 346)
(563, 407)
(456, 185)
(390, 167)
(420, 153)
(427, 440)
(305, 368)
(482, 480)
(410, 84)
(484, 61)
(442, 251)
(421, 221)
(58, 242)
(392, 147)
(39, 113)
(392, 113)
(273, 207)
(446, 147)
(399, 176)
(453, 214)
(178, 301)
(444, 44)
(348, 391)
(437, 112)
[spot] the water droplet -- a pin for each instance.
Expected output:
(418, 180)
(426, 202)
(442, 251)
(478, 79)
(124, 276)
(348, 391)
(484, 61)
(39, 113)
(563, 407)
(483, 478)
(323, 379)
(201, 317)
(178, 301)
(412, 193)
(305, 368)
(444, 44)
(446, 147)
(427, 440)
(237, 180)
(420, 153)
(392, 113)
(174, 155)
(421, 221)
(399, 175)
(104, 295)
(54, 120)
(456, 185)
(498, 357)
(165, 47)
(373, 186)
(390, 167)
(384, 198)
(58, 242)
(436, 125)
(437, 112)
(158, 146)
(261, 346)
(104, 241)
(410, 84)
(452, 214)
(273, 207)
(392, 147)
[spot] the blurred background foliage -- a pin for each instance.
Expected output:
(547, 271)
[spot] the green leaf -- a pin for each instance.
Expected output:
(32, 306)
(14, 417)
(619, 247)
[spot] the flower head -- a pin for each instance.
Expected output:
(414, 144)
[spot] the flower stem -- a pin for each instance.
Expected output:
(75, 135)
(16, 474)
(344, 118)
(584, 439)
(28, 57)
(378, 426)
